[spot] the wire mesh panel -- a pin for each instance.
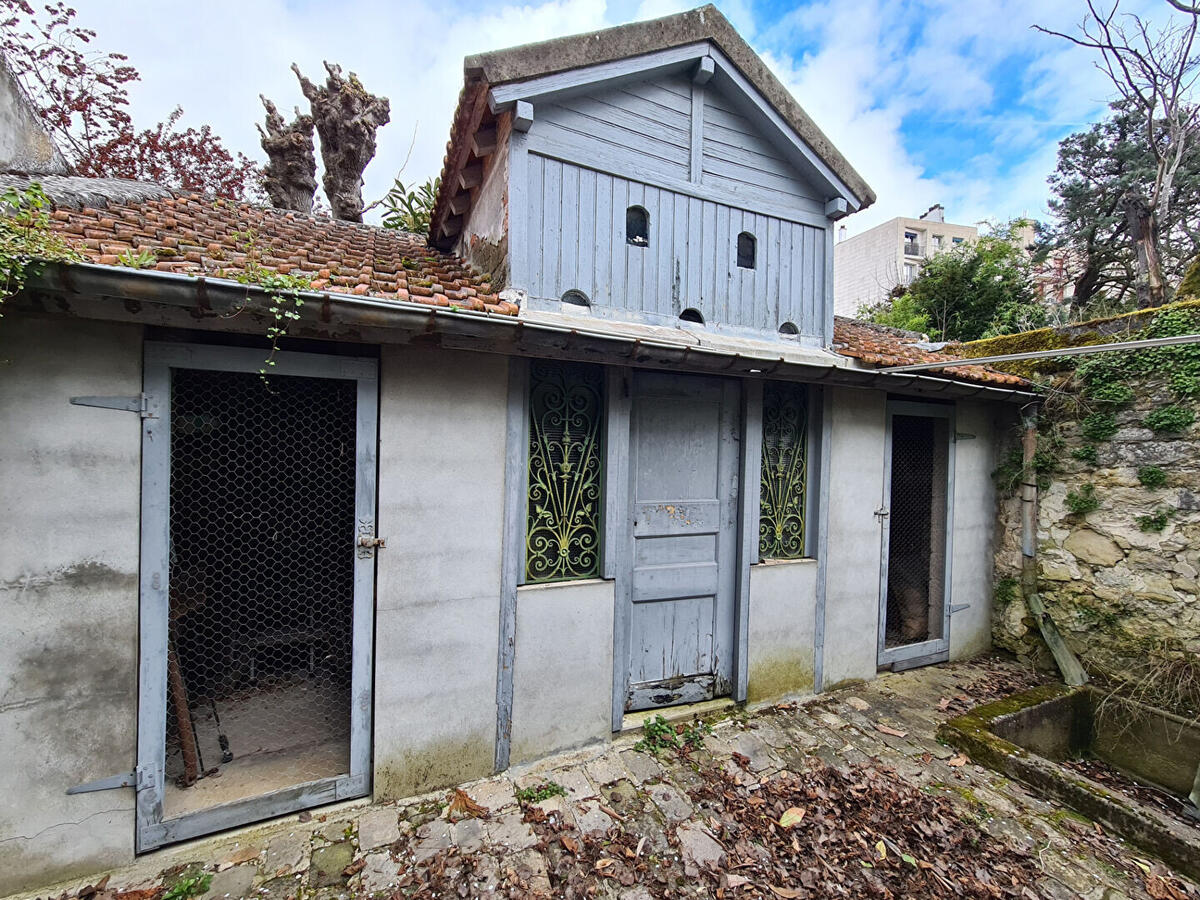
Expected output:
(916, 570)
(262, 495)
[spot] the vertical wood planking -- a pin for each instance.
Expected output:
(576, 227)
(570, 251)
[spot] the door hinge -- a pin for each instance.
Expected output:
(139, 404)
(142, 778)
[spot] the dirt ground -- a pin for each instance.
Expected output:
(847, 795)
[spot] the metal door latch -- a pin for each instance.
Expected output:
(882, 513)
(367, 542)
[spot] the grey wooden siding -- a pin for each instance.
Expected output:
(739, 160)
(576, 239)
(645, 125)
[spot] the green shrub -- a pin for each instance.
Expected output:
(1157, 521)
(1084, 500)
(1170, 419)
(1110, 393)
(1099, 426)
(1185, 386)
(1086, 453)
(1006, 590)
(1152, 476)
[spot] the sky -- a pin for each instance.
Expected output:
(957, 102)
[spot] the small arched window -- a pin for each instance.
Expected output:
(693, 315)
(637, 226)
(789, 328)
(747, 248)
(576, 297)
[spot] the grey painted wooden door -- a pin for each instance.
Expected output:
(683, 503)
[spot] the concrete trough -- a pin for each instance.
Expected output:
(1028, 736)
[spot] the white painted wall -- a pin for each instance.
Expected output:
(441, 504)
(69, 509)
(856, 491)
(783, 607)
(563, 670)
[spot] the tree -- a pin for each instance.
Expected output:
(82, 97)
(346, 118)
(1153, 72)
(971, 290)
(290, 177)
(1097, 170)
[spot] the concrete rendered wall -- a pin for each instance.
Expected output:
(855, 492)
(974, 526)
(783, 610)
(441, 504)
(563, 670)
(69, 510)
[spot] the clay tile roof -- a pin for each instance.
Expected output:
(190, 233)
(882, 346)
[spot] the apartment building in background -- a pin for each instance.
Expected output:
(867, 266)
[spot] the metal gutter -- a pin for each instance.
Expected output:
(221, 296)
(1050, 354)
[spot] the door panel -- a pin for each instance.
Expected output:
(915, 562)
(683, 501)
(257, 594)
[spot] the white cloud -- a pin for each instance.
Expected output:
(862, 68)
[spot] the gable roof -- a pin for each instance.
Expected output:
(485, 71)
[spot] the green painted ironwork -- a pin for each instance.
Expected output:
(784, 472)
(562, 539)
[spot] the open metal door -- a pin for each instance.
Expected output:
(257, 587)
(917, 513)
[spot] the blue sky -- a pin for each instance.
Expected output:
(956, 102)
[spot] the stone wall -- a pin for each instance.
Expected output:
(1116, 587)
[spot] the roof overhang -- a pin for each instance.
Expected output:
(166, 299)
(701, 57)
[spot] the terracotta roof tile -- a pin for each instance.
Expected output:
(883, 346)
(196, 234)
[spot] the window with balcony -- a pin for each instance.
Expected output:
(911, 245)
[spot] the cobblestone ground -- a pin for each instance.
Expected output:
(637, 805)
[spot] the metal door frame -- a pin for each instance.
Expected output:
(923, 652)
(154, 590)
(619, 532)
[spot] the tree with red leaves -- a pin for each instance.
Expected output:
(82, 97)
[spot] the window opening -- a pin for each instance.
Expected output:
(789, 328)
(637, 226)
(576, 298)
(784, 486)
(747, 248)
(692, 315)
(562, 539)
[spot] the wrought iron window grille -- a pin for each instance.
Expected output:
(784, 485)
(566, 404)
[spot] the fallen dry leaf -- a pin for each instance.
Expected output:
(884, 729)
(787, 892)
(463, 807)
(944, 703)
(792, 816)
(355, 867)
(957, 761)
(603, 864)
(858, 703)
(735, 881)
(570, 843)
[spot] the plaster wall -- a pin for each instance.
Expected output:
(563, 669)
(852, 579)
(974, 528)
(484, 241)
(783, 610)
(441, 507)
(25, 146)
(69, 510)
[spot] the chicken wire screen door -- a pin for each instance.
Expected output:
(257, 586)
(917, 517)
